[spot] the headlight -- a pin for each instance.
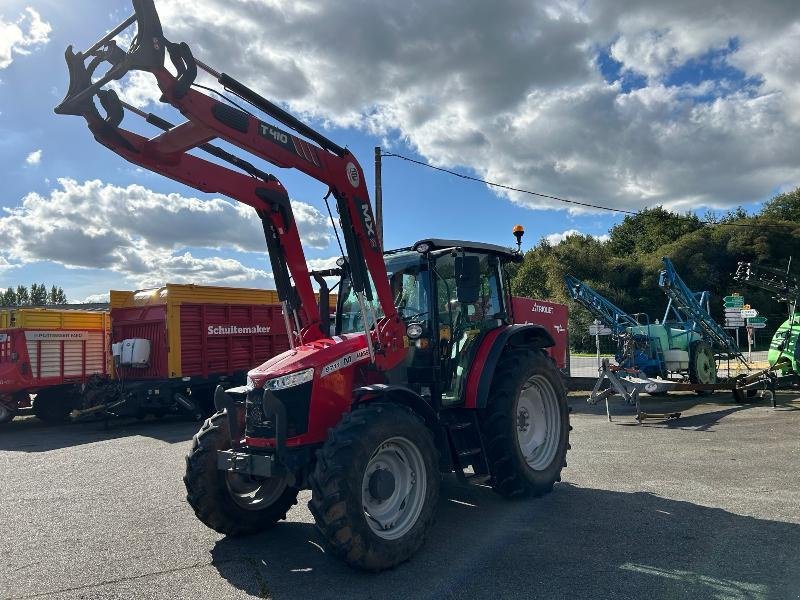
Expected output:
(414, 331)
(290, 380)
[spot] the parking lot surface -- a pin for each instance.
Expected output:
(707, 506)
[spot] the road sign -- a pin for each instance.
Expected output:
(732, 297)
(749, 313)
(757, 325)
(599, 330)
(734, 301)
(734, 311)
(734, 322)
(753, 320)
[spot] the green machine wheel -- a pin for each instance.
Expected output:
(702, 366)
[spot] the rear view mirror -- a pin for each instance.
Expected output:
(468, 278)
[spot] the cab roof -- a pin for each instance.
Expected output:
(441, 244)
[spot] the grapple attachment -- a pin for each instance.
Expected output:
(146, 53)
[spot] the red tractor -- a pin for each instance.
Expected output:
(426, 373)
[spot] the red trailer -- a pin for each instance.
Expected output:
(173, 345)
(554, 317)
(50, 353)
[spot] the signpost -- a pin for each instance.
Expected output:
(734, 304)
(597, 329)
(749, 313)
(757, 322)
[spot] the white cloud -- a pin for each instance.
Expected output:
(34, 158)
(139, 88)
(556, 238)
(22, 36)
(93, 299)
(144, 235)
(514, 91)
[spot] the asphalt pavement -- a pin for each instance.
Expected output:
(707, 506)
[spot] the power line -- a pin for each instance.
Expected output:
(506, 187)
(567, 200)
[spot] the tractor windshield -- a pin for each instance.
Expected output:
(410, 285)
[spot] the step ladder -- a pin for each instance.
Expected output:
(466, 446)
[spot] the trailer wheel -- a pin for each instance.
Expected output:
(53, 406)
(526, 425)
(230, 503)
(375, 486)
(6, 413)
(702, 366)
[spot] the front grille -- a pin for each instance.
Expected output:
(297, 401)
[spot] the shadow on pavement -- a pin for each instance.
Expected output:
(713, 408)
(574, 543)
(32, 435)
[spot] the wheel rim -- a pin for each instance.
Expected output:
(254, 494)
(393, 488)
(538, 422)
(705, 366)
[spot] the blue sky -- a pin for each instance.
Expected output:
(587, 100)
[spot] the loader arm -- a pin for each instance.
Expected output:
(207, 119)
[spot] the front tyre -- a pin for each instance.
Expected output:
(526, 425)
(375, 486)
(231, 503)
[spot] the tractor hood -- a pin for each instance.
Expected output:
(326, 356)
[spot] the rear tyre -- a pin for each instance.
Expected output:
(375, 486)
(53, 406)
(702, 366)
(526, 425)
(227, 502)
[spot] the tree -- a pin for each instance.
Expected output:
(56, 296)
(650, 229)
(23, 297)
(9, 298)
(38, 294)
(783, 207)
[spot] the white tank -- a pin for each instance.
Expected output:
(676, 360)
(135, 353)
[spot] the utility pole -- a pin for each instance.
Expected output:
(378, 195)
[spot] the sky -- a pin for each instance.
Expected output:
(689, 104)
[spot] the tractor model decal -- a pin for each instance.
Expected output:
(345, 361)
(289, 142)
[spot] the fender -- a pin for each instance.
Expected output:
(489, 352)
(400, 395)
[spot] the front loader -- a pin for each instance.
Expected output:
(426, 372)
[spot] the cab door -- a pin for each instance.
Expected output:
(465, 311)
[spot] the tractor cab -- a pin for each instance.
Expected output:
(449, 294)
